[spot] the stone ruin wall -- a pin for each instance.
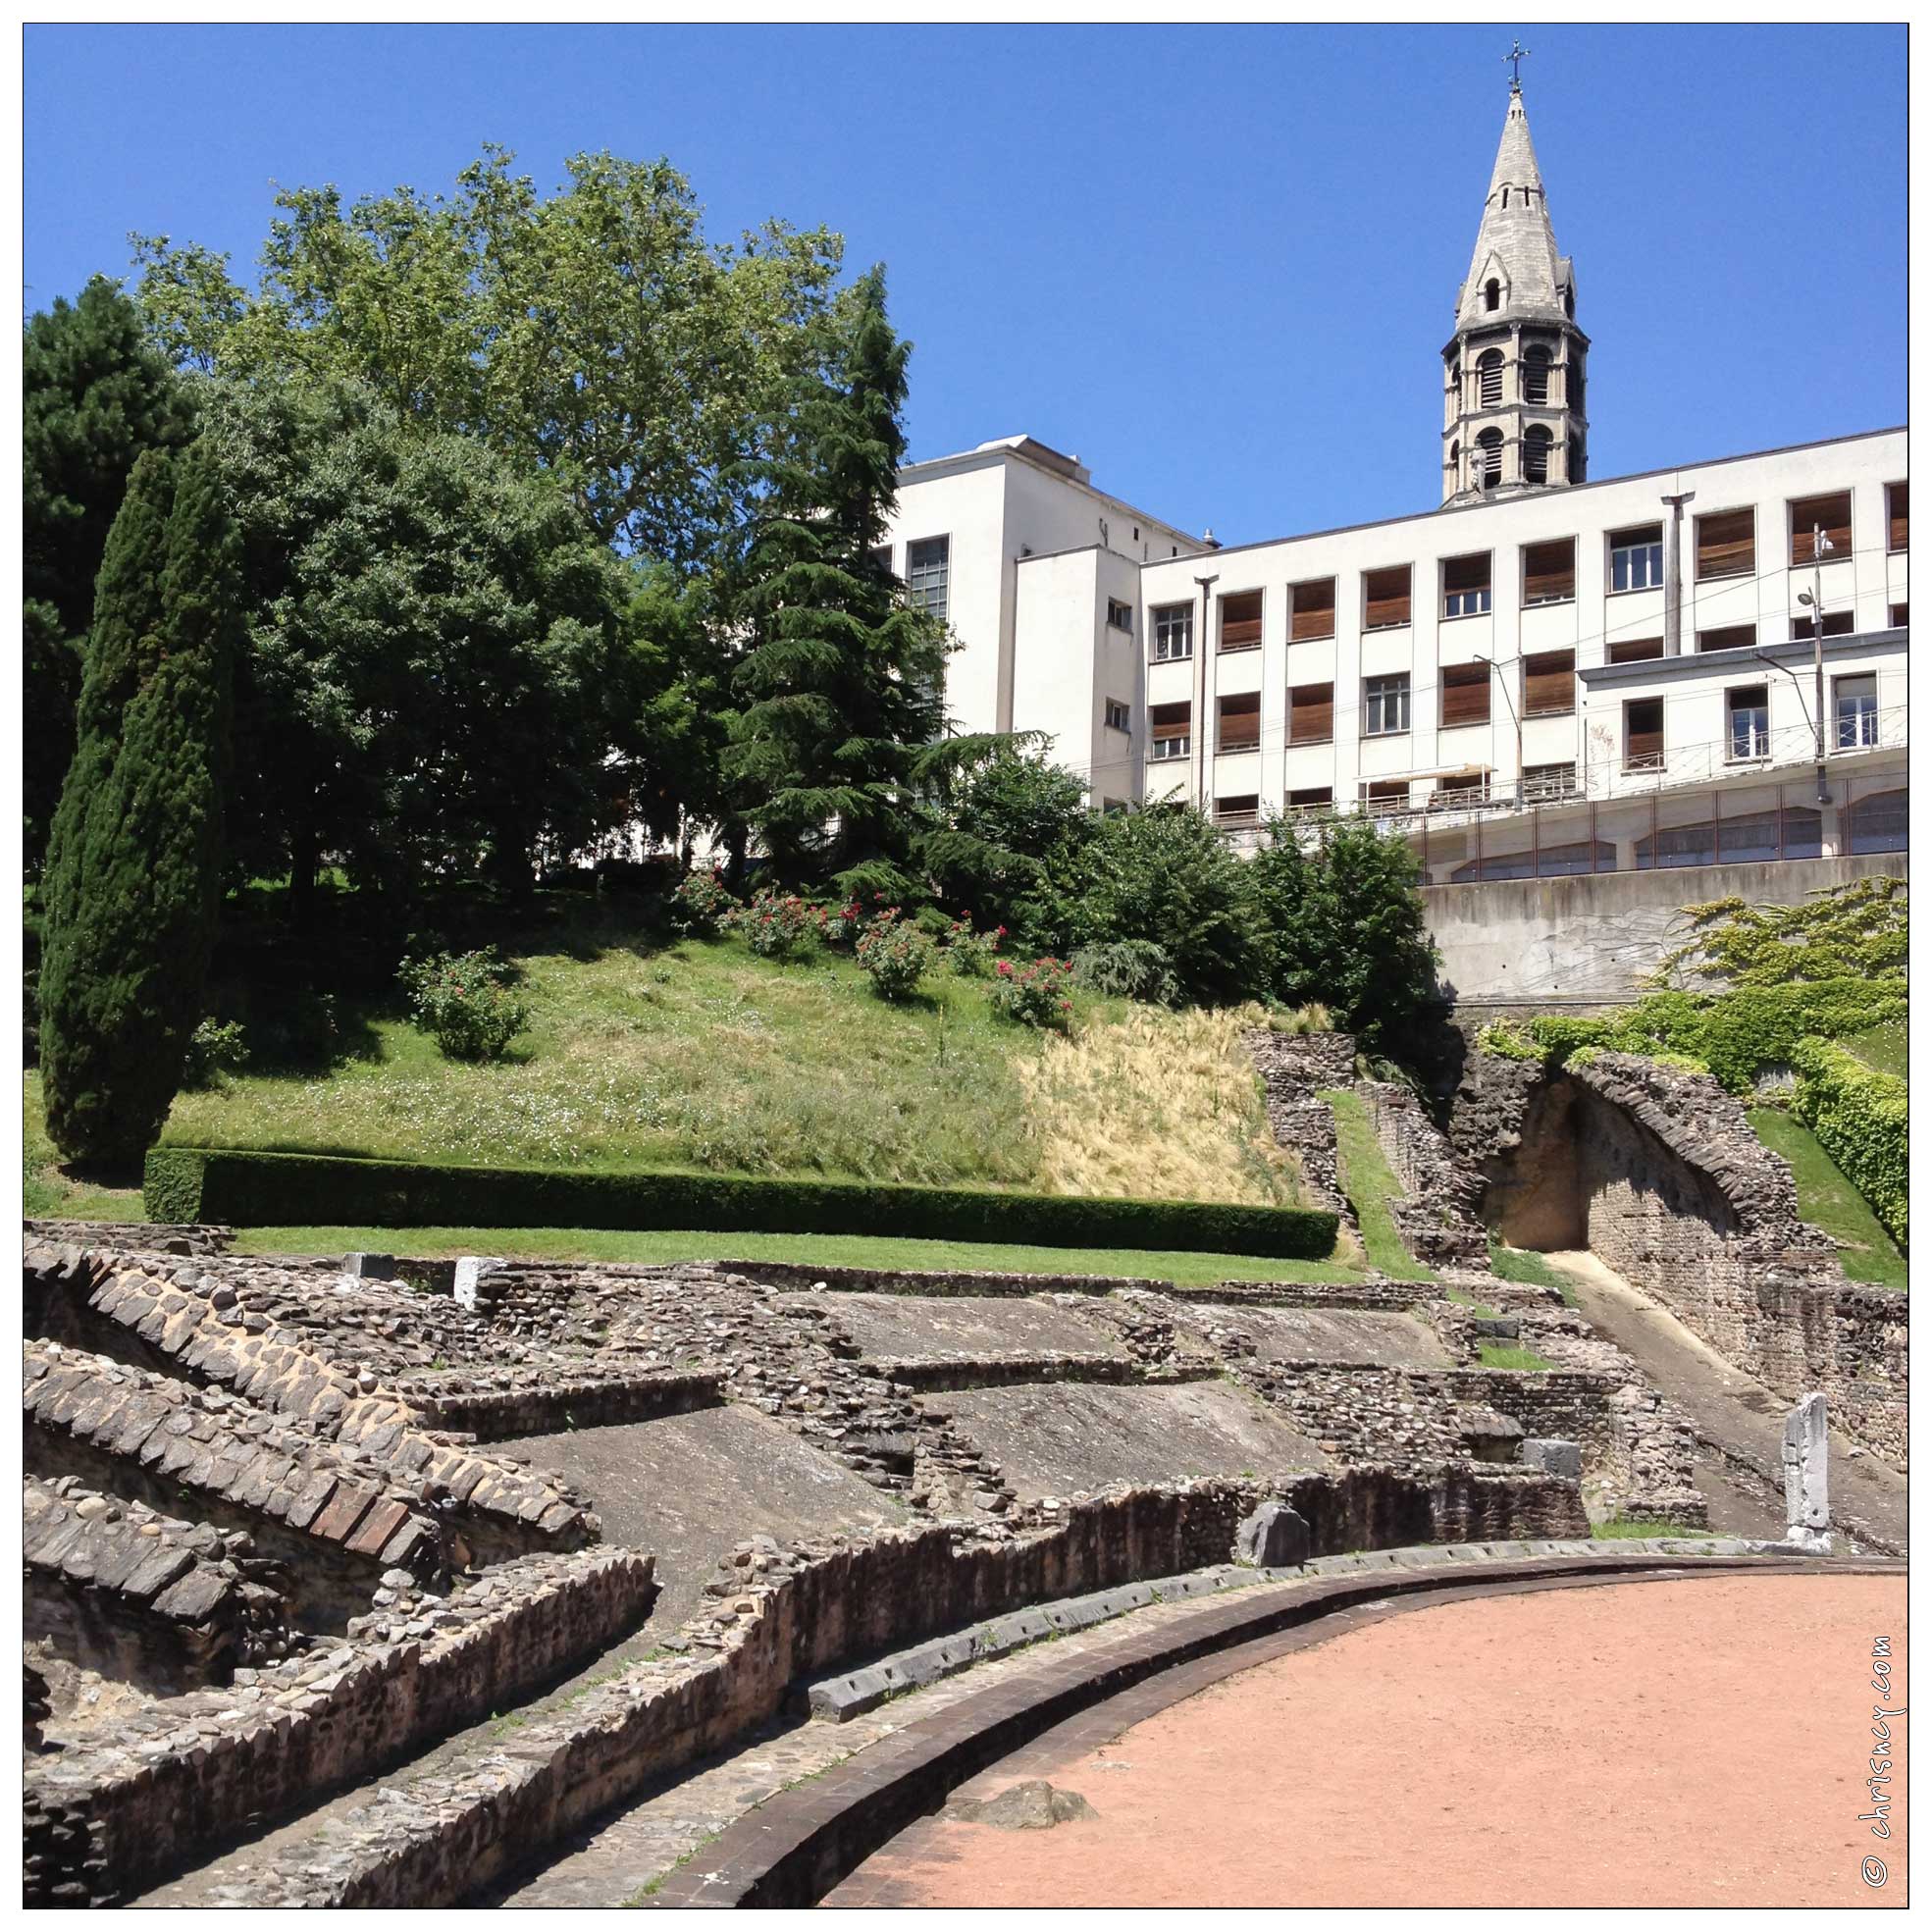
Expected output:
(1297, 1069)
(1656, 1169)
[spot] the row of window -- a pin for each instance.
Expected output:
(1548, 689)
(1726, 546)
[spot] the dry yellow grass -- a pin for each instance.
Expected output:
(1158, 1103)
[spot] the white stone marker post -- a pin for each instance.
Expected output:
(1807, 1502)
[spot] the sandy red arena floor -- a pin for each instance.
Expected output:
(1684, 1742)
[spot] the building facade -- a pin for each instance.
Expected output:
(1542, 675)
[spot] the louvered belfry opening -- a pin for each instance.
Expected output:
(1535, 455)
(1489, 379)
(1535, 374)
(1488, 458)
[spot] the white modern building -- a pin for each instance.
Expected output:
(1546, 674)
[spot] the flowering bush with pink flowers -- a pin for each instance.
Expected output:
(1035, 995)
(843, 924)
(462, 1003)
(700, 901)
(897, 956)
(779, 925)
(972, 955)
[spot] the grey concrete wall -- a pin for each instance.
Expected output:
(1596, 937)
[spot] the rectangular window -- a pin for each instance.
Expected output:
(1855, 712)
(1168, 731)
(1895, 516)
(1838, 623)
(1312, 610)
(1240, 621)
(1733, 637)
(1465, 695)
(1384, 705)
(1312, 798)
(1748, 717)
(1727, 543)
(1896, 613)
(1637, 558)
(1118, 717)
(1240, 723)
(1382, 797)
(881, 554)
(1549, 572)
(1466, 586)
(1119, 615)
(1634, 649)
(1830, 517)
(1174, 632)
(1542, 782)
(1550, 683)
(1244, 809)
(1643, 734)
(928, 564)
(1385, 599)
(1311, 713)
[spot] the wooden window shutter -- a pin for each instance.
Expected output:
(1240, 722)
(1643, 735)
(1240, 621)
(1632, 649)
(1727, 545)
(1549, 682)
(1465, 695)
(1387, 593)
(1465, 573)
(1311, 713)
(1314, 610)
(1549, 572)
(1895, 516)
(1832, 513)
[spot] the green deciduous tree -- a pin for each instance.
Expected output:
(594, 334)
(840, 679)
(94, 394)
(134, 874)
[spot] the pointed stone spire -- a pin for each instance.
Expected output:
(1513, 403)
(1515, 247)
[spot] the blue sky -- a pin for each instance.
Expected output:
(1217, 264)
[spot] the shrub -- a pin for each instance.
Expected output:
(779, 925)
(246, 1188)
(1857, 1116)
(460, 1000)
(1298, 1022)
(972, 955)
(896, 955)
(214, 1049)
(699, 902)
(1128, 970)
(1033, 995)
(1507, 1041)
(843, 924)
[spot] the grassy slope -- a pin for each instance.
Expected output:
(1370, 1184)
(1827, 1200)
(684, 1244)
(1880, 1047)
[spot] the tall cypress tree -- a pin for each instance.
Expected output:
(134, 872)
(93, 396)
(840, 685)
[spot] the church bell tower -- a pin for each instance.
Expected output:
(1513, 397)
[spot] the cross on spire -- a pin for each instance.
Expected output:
(1517, 55)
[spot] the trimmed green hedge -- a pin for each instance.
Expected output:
(244, 1189)
(1858, 1118)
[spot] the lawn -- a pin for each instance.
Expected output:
(1828, 1201)
(696, 1055)
(1880, 1047)
(825, 1251)
(1370, 1186)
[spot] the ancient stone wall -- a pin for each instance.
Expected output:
(1437, 1214)
(107, 1817)
(1297, 1069)
(785, 1614)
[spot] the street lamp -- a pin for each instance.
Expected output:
(1515, 715)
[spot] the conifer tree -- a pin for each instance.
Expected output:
(133, 872)
(95, 396)
(840, 684)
